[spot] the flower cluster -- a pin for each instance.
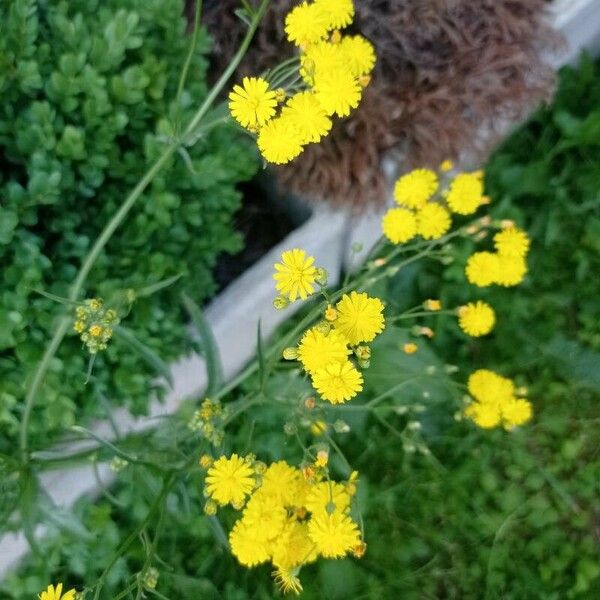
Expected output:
(495, 401)
(56, 593)
(209, 421)
(327, 80)
(425, 206)
(94, 323)
(507, 266)
(325, 350)
(288, 518)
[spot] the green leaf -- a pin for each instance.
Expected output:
(211, 354)
(156, 287)
(146, 353)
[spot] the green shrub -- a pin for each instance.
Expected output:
(87, 92)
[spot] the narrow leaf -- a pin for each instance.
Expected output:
(56, 298)
(262, 372)
(212, 357)
(146, 353)
(156, 287)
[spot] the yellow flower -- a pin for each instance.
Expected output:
(334, 534)
(337, 91)
(295, 274)
(229, 480)
(279, 141)
(416, 187)
(399, 225)
(264, 515)
(293, 547)
(512, 242)
(307, 116)
(284, 483)
(482, 268)
(446, 166)
(253, 103)
(489, 387)
(511, 270)
(339, 13)
(326, 497)
(52, 593)
(465, 194)
(245, 547)
(516, 412)
(486, 416)
(321, 57)
(476, 318)
(433, 305)
(338, 382)
(359, 54)
(317, 349)
(306, 24)
(360, 317)
(433, 221)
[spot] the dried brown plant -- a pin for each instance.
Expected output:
(447, 70)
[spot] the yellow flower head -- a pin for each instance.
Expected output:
(338, 382)
(293, 547)
(337, 91)
(433, 221)
(511, 270)
(317, 349)
(252, 104)
(283, 482)
(245, 547)
(476, 318)
(279, 141)
(410, 348)
(486, 416)
(321, 57)
(333, 534)
(306, 24)
(55, 593)
(482, 268)
(338, 13)
(512, 242)
(264, 515)
(416, 187)
(446, 166)
(229, 480)
(327, 496)
(360, 317)
(465, 193)
(516, 412)
(307, 116)
(359, 54)
(489, 387)
(295, 274)
(399, 225)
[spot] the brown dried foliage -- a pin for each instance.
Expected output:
(446, 70)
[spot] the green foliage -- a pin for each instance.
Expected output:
(88, 90)
(450, 511)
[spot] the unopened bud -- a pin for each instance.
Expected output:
(362, 352)
(206, 461)
(210, 508)
(310, 403)
(290, 428)
(280, 302)
(290, 353)
(433, 305)
(341, 426)
(410, 348)
(331, 313)
(321, 276)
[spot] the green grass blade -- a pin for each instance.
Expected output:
(212, 357)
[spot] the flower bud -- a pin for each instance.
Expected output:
(321, 276)
(210, 508)
(280, 302)
(290, 353)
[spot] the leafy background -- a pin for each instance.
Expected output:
(88, 90)
(450, 511)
